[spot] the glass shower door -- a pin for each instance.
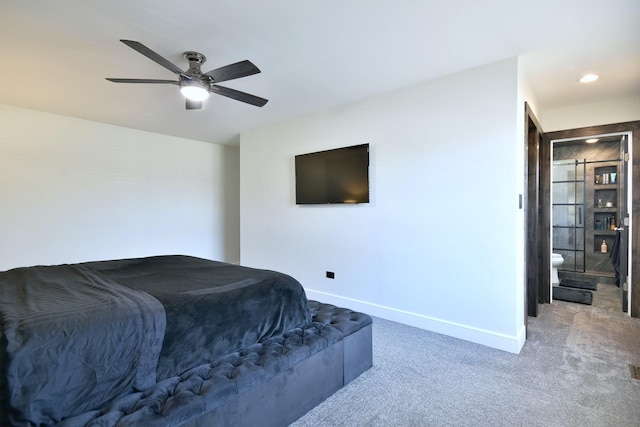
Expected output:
(568, 196)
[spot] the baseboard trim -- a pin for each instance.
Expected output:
(511, 344)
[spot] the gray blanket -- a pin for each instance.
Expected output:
(72, 340)
(75, 337)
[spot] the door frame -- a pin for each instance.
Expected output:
(536, 185)
(545, 208)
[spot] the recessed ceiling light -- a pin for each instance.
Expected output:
(588, 78)
(591, 140)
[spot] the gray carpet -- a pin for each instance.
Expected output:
(572, 371)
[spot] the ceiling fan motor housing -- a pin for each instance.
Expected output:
(195, 57)
(194, 73)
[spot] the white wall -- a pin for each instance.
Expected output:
(436, 246)
(593, 114)
(73, 190)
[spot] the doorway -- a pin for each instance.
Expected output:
(589, 209)
(632, 129)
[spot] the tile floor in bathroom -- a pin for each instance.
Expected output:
(608, 297)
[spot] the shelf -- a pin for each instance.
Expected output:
(597, 241)
(604, 232)
(604, 173)
(604, 193)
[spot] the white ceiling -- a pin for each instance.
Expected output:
(314, 54)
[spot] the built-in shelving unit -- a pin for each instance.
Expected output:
(606, 199)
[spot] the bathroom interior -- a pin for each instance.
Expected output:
(588, 209)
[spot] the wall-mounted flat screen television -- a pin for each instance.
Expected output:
(333, 176)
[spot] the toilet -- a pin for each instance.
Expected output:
(556, 262)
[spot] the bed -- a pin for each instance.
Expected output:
(169, 340)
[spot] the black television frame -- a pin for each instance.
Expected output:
(336, 176)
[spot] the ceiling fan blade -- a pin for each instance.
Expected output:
(233, 71)
(173, 82)
(153, 56)
(239, 96)
(193, 105)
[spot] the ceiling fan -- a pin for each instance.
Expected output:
(194, 85)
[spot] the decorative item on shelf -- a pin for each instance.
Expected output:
(609, 205)
(613, 177)
(598, 178)
(600, 205)
(605, 178)
(598, 225)
(603, 247)
(612, 225)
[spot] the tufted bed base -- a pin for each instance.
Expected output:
(271, 383)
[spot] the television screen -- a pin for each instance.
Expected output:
(333, 176)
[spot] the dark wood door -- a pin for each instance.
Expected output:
(537, 247)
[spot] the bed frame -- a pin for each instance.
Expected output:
(271, 383)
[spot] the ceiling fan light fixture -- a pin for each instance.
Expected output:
(194, 90)
(588, 78)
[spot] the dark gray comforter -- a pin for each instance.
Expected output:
(74, 337)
